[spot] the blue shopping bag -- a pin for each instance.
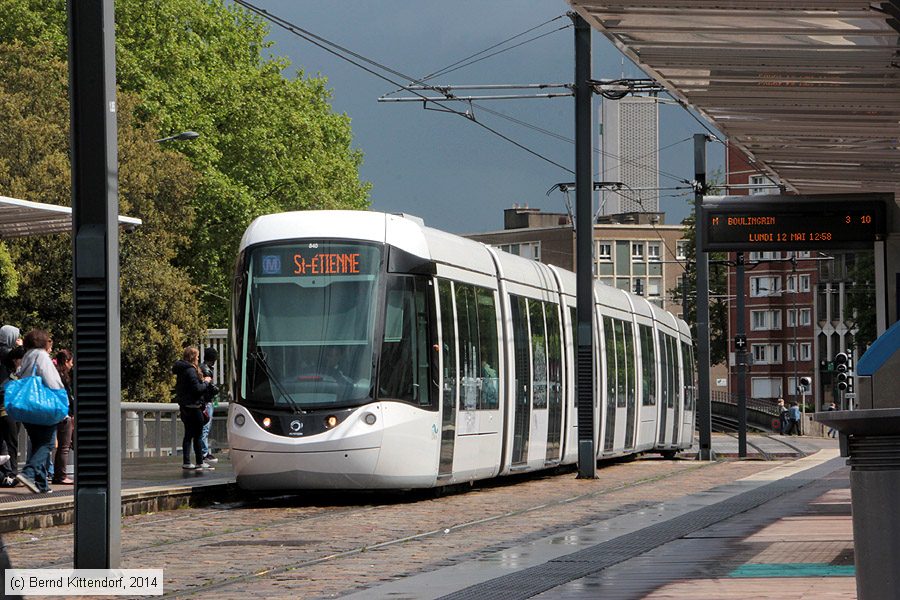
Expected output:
(28, 400)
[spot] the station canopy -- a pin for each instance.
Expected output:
(809, 90)
(21, 218)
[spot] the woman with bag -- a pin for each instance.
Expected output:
(37, 362)
(190, 393)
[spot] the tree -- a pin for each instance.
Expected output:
(159, 306)
(268, 142)
(860, 308)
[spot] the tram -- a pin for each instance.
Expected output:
(372, 352)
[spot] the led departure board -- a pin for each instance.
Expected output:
(742, 223)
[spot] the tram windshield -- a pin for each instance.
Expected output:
(309, 322)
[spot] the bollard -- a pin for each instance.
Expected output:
(870, 439)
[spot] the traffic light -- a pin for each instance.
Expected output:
(843, 377)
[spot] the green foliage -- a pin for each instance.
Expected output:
(718, 285)
(268, 143)
(159, 306)
(9, 277)
(860, 309)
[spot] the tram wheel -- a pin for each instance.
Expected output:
(668, 454)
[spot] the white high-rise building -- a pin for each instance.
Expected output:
(629, 139)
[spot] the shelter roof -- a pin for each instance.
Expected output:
(809, 90)
(22, 218)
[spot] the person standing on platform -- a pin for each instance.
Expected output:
(832, 432)
(782, 417)
(190, 393)
(64, 364)
(794, 419)
(210, 355)
(11, 353)
(38, 346)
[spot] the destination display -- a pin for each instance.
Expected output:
(313, 259)
(801, 223)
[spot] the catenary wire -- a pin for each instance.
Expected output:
(324, 44)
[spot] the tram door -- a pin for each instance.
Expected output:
(690, 394)
(668, 411)
(522, 381)
(449, 388)
(555, 395)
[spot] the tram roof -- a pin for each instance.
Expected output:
(809, 90)
(22, 218)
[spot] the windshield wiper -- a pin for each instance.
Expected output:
(261, 361)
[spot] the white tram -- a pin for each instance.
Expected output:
(369, 351)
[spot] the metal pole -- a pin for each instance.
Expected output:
(741, 359)
(704, 412)
(95, 208)
(584, 232)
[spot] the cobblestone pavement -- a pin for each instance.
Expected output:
(325, 545)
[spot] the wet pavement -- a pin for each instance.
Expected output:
(645, 528)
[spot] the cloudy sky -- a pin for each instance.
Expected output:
(440, 166)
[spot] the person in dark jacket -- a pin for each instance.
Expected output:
(191, 388)
(210, 356)
(11, 353)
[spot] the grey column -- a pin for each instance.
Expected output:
(95, 208)
(741, 360)
(704, 421)
(584, 231)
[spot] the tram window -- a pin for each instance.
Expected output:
(479, 354)
(554, 354)
(688, 376)
(622, 370)
(648, 366)
(469, 366)
(405, 369)
(671, 365)
(448, 341)
(611, 370)
(630, 367)
(538, 354)
(663, 369)
(489, 349)
(308, 339)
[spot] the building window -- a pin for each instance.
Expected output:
(637, 287)
(653, 251)
(805, 316)
(760, 184)
(763, 320)
(806, 351)
(803, 254)
(766, 354)
(765, 286)
(604, 251)
(531, 250)
(765, 387)
(804, 283)
(637, 250)
(761, 256)
(654, 287)
(681, 249)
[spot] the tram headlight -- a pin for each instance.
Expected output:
(267, 422)
(330, 421)
(370, 419)
(239, 420)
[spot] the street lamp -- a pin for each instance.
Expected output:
(178, 137)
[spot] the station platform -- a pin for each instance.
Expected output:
(784, 533)
(645, 528)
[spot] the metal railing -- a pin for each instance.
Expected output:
(155, 429)
(763, 405)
